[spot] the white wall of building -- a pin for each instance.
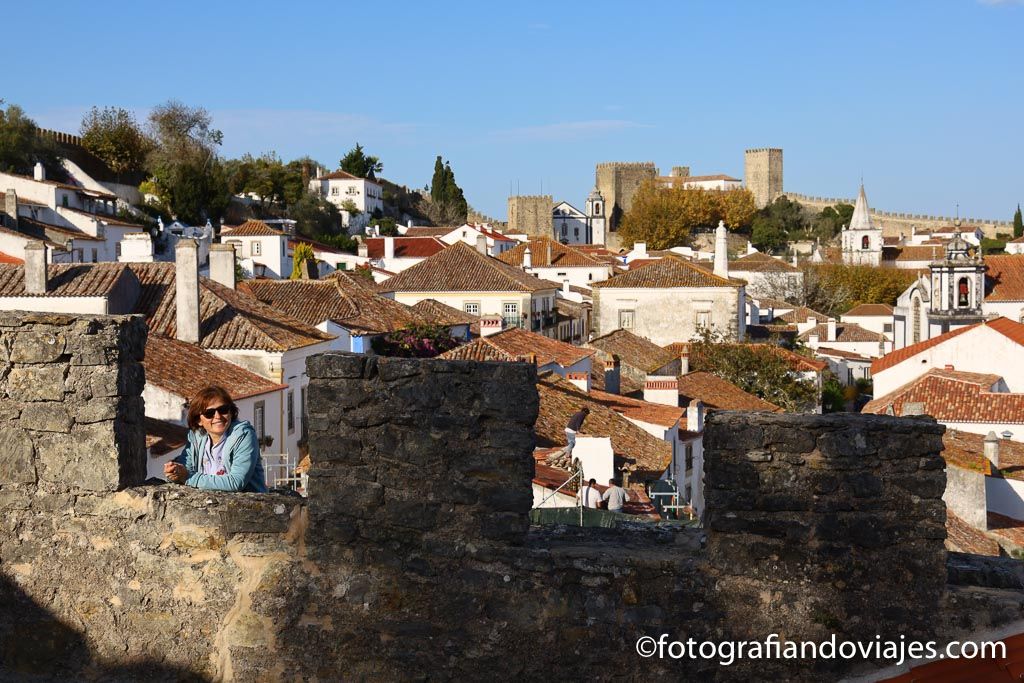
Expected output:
(1005, 496)
(578, 276)
(269, 251)
(773, 285)
(876, 323)
(670, 315)
(468, 234)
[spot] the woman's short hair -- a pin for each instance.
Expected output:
(201, 401)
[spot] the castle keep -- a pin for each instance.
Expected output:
(618, 182)
(762, 174)
(413, 556)
(531, 215)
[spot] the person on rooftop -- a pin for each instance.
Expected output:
(222, 453)
(574, 425)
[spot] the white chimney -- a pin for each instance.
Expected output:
(481, 244)
(721, 250)
(663, 390)
(992, 449)
(830, 326)
(795, 264)
(639, 250)
(408, 224)
(566, 287)
(684, 365)
(35, 267)
(136, 247)
(812, 322)
(362, 250)
(549, 252)
(389, 251)
(38, 172)
(695, 416)
(222, 264)
(186, 283)
(527, 259)
(580, 379)
(491, 324)
(812, 340)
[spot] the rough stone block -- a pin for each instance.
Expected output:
(37, 383)
(37, 346)
(16, 457)
(335, 364)
(87, 458)
(45, 417)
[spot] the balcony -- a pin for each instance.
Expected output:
(513, 321)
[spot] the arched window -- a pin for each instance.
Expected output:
(963, 293)
(865, 242)
(915, 320)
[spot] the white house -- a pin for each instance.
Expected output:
(340, 187)
(1015, 246)
(847, 337)
(716, 181)
(469, 233)
(557, 262)
(395, 254)
(873, 317)
(767, 276)
(258, 244)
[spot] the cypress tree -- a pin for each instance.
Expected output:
(437, 182)
(1018, 224)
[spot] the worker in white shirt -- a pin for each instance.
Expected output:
(590, 497)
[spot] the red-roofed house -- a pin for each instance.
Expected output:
(340, 187)
(262, 251)
(497, 243)
(396, 254)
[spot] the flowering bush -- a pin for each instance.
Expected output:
(416, 341)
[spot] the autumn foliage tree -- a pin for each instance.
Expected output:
(665, 217)
(834, 289)
(115, 137)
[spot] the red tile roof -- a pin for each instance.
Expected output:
(914, 253)
(347, 300)
(184, 369)
(229, 319)
(761, 263)
(845, 332)
(715, 392)
(642, 411)
(678, 349)
(343, 175)
(961, 537)
(839, 353)
(1005, 277)
(67, 280)
(481, 350)
(428, 230)
(162, 437)
(638, 352)
(438, 313)
(461, 268)
(252, 228)
(405, 247)
(7, 258)
(967, 451)
(519, 344)
(799, 314)
(668, 272)
(954, 396)
(562, 255)
(1010, 329)
(871, 309)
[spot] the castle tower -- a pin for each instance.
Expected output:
(618, 182)
(957, 287)
(531, 215)
(862, 241)
(762, 174)
(595, 217)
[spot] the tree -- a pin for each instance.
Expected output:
(189, 177)
(830, 221)
(666, 217)
(20, 146)
(1018, 224)
(447, 202)
(359, 164)
(303, 252)
(758, 369)
(113, 135)
(768, 234)
(315, 217)
(834, 289)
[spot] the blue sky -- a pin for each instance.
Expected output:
(923, 98)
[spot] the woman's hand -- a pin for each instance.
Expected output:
(175, 472)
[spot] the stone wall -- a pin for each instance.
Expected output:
(531, 214)
(618, 182)
(762, 174)
(413, 558)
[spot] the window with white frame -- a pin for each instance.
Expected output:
(703, 320)
(510, 309)
(335, 191)
(627, 318)
(472, 307)
(257, 248)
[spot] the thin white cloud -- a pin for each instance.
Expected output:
(571, 130)
(993, 3)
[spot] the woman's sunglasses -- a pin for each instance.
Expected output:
(224, 411)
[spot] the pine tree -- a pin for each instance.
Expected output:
(1018, 224)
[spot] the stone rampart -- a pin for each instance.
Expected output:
(413, 557)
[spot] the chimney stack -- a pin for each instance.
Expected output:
(830, 326)
(695, 416)
(992, 449)
(11, 207)
(491, 324)
(38, 172)
(721, 250)
(186, 283)
(136, 247)
(639, 250)
(663, 390)
(222, 264)
(612, 372)
(548, 243)
(35, 267)
(580, 379)
(527, 258)
(481, 244)
(565, 287)
(389, 251)
(684, 365)
(362, 250)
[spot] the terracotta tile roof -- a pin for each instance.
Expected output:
(633, 350)
(344, 299)
(108, 219)
(678, 349)
(1018, 240)
(428, 230)
(839, 353)
(162, 437)
(406, 247)
(761, 263)
(67, 280)
(461, 268)
(641, 262)
(871, 309)
(184, 369)
(954, 396)
(519, 344)
(29, 227)
(1005, 277)
(481, 350)
(670, 271)
(252, 228)
(961, 537)
(914, 253)
(8, 259)
(798, 362)
(715, 392)
(967, 451)
(643, 411)
(562, 255)
(230, 319)
(438, 313)
(845, 332)
(1010, 329)
(560, 400)
(799, 314)
(343, 175)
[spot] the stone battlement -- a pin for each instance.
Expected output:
(413, 556)
(626, 164)
(945, 221)
(763, 149)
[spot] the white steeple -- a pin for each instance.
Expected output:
(861, 219)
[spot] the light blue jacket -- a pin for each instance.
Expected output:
(241, 460)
